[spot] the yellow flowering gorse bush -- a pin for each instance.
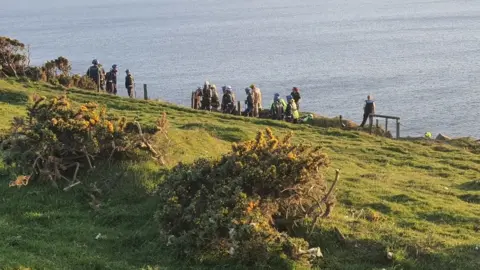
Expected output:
(252, 206)
(56, 141)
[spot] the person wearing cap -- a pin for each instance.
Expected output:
(257, 100)
(296, 96)
(111, 78)
(94, 73)
(130, 84)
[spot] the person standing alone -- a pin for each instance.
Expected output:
(368, 111)
(129, 84)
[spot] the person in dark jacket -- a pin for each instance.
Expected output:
(111, 77)
(207, 97)
(129, 84)
(368, 110)
(228, 101)
(249, 102)
(296, 96)
(197, 105)
(94, 72)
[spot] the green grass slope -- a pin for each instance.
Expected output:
(416, 199)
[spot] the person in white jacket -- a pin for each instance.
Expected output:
(257, 100)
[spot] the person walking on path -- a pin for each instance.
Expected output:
(368, 111)
(257, 100)
(130, 84)
(296, 96)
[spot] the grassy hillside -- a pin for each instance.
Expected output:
(417, 199)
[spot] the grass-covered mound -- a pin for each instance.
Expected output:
(253, 205)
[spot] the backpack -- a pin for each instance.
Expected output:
(93, 72)
(369, 106)
(277, 110)
(108, 76)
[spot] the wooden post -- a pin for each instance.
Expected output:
(377, 123)
(239, 108)
(193, 100)
(145, 92)
(398, 129)
(371, 124)
(386, 125)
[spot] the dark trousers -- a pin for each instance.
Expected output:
(112, 88)
(130, 91)
(365, 117)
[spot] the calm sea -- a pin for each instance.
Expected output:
(420, 59)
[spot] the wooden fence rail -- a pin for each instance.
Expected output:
(386, 117)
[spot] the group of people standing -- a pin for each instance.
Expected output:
(207, 98)
(108, 81)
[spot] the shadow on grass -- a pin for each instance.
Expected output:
(470, 198)
(400, 198)
(473, 185)
(439, 217)
(13, 98)
(354, 253)
(230, 134)
(106, 223)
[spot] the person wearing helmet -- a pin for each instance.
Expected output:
(111, 78)
(291, 113)
(228, 101)
(249, 102)
(94, 73)
(277, 110)
(257, 100)
(206, 96)
(296, 96)
(130, 84)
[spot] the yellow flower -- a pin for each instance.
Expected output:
(85, 124)
(92, 122)
(54, 121)
(95, 117)
(83, 108)
(110, 127)
(291, 156)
